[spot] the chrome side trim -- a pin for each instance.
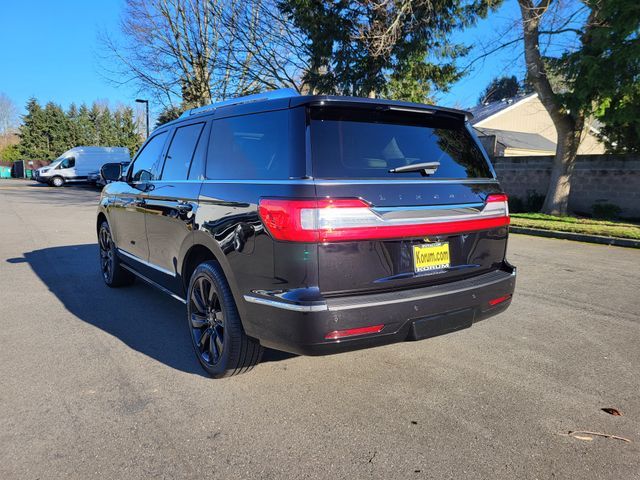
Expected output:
(284, 305)
(144, 262)
(400, 182)
(311, 181)
(154, 284)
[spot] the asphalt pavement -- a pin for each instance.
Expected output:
(102, 383)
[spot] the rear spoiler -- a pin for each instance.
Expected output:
(378, 104)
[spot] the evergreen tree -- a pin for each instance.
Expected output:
(128, 132)
(48, 132)
(84, 127)
(168, 114)
(33, 144)
(108, 128)
(57, 130)
(72, 116)
(95, 117)
(10, 153)
(499, 88)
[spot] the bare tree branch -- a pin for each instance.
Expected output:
(196, 51)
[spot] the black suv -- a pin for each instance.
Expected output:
(311, 224)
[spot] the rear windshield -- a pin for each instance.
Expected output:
(367, 144)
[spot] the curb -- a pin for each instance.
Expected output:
(580, 237)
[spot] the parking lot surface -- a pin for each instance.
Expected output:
(99, 382)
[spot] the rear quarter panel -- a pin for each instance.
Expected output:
(228, 223)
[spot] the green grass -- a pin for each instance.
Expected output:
(606, 228)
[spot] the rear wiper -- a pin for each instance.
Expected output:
(425, 169)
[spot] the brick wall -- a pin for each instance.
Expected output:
(596, 179)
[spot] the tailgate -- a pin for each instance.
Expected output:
(390, 263)
(431, 210)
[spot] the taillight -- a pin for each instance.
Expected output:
(497, 202)
(308, 220)
(333, 220)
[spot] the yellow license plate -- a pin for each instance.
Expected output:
(432, 256)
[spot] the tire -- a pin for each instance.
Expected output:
(219, 341)
(57, 181)
(113, 273)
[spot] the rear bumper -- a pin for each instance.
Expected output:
(301, 326)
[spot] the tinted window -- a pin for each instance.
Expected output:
(180, 153)
(196, 170)
(366, 144)
(145, 166)
(253, 146)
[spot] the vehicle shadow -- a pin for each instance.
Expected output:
(140, 316)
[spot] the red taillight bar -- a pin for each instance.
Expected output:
(334, 220)
(351, 332)
(419, 230)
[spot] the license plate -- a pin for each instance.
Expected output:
(432, 256)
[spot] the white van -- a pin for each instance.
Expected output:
(75, 165)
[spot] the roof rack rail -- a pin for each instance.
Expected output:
(256, 97)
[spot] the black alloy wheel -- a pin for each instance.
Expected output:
(106, 253)
(207, 321)
(219, 341)
(113, 274)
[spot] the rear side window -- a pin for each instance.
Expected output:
(146, 165)
(180, 153)
(367, 144)
(251, 147)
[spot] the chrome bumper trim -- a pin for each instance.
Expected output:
(286, 306)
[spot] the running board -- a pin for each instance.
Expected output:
(154, 284)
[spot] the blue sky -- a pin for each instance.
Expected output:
(51, 51)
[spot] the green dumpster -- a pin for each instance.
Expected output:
(5, 172)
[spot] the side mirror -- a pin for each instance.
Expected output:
(111, 172)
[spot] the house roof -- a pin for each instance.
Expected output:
(520, 140)
(484, 111)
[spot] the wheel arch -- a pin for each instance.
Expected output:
(204, 245)
(197, 254)
(203, 249)
(102, 217)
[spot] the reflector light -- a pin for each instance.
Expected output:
(336, 334)
(334, 220)
(499, 300)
